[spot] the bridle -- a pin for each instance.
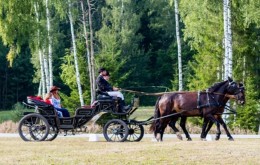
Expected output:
(233, 88)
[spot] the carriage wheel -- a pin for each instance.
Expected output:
(53, 133)
(33, 127)
(136, 132)
(115, 130)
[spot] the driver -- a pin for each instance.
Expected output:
(104, 86)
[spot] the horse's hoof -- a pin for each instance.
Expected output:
(230, 139)
(203, 139)
(216, 139)
(189, 139)
(179, 136)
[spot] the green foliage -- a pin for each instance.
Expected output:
(68, 75)
(251, 12)
(200, 18)
(248, 117)
(16, 24)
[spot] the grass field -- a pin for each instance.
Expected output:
(171, 151)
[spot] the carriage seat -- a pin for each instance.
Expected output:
(103, 95)
(38, 101)
(44, 108)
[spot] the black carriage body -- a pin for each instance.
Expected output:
(82, 115)
(51, 123)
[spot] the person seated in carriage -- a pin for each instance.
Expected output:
(54, 98)
(104, 86)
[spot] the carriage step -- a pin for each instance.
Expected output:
(66, 127)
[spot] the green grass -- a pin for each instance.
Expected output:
(15, 114)
(143, 113)
(6, 115)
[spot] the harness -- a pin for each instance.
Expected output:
(215, 103)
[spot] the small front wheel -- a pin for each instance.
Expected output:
(136, 132)
(33, 127)
(115, 130)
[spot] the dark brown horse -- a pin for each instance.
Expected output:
(239, 96)
(185, 104)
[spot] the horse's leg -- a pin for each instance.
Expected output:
(214, 120)
(209, 125)
(159, 130)
(203, 131)
(221, 121)
(172, 125)
(183, 126)
(162, 131)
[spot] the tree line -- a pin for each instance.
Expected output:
(63, 43)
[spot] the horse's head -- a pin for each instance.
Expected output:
(236, 89)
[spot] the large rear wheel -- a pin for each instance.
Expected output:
(33, 127)
(115, 130)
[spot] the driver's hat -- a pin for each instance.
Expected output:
(101, 70)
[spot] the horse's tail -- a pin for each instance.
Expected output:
(156, 115)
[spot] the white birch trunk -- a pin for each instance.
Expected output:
(229, 33)
(91, 47)
(42, 73)
(92, 91)
(179, 44)
(40, 89)
(75, 55)
(226, 56)
(46, 70)
(49, 44)
(42, 81)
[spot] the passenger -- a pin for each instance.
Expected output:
(104, 86)
(48, 101)
(55, 100)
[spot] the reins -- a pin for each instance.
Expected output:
(146, 93)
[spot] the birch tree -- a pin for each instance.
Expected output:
(178, 43)
(43, 77)
(46, 69)
(75, 54)
(227, 39)
(92, 62)
(48, 24)
(89, 55)
(229, 35)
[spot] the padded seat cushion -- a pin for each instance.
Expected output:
(104, 97)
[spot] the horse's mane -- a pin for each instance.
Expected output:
(216, 86)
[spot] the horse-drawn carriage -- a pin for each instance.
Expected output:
(44, 123)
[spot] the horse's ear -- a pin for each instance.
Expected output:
(230, 79)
